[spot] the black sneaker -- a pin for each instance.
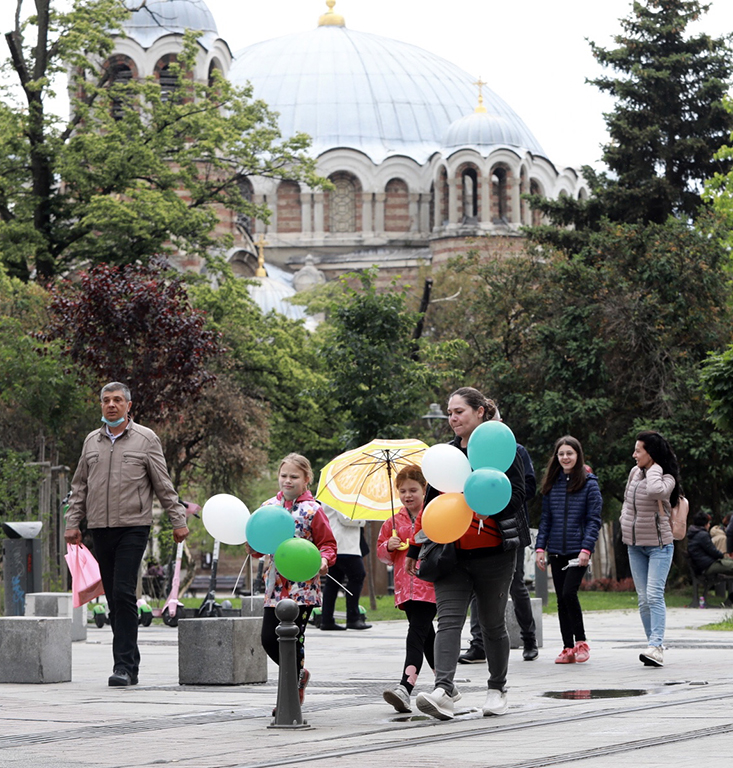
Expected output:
(472, 656)
(531, 651)
(121, 678)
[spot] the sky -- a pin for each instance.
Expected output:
(533, 53)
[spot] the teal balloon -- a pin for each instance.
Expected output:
(487, 491)
(268, 527)
(492, 444)
(298, 559)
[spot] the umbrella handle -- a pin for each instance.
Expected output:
(403, 545)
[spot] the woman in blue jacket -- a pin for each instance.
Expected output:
(571, 520)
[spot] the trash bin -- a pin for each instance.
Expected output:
(22, 564)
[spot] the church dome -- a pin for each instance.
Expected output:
(356, 90)
(158, 18)
(482, 132)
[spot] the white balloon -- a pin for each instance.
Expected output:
(446, 467)
(225, 518)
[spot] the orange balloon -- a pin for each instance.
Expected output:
(446, 518)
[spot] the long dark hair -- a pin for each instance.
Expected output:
(578, 474)
(661, 452)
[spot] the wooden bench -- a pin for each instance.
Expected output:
(224, 584)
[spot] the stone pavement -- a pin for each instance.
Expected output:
(681, 714)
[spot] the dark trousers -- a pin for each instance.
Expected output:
(271, 642)
(522, 608)
(349, 570)
(569, 612)
(119, 552)
(420, 640)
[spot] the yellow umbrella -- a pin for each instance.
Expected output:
(359, 483)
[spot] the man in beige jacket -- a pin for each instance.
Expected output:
(120, 467)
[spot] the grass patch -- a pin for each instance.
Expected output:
(725, 624)
(616, 601)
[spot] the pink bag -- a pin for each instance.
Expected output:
(86, 582)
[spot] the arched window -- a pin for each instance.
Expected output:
(245, 221)
(289, 214)
(469, 196)
(343, 214)
(500, 195)
(396, 206)
(121, 71)
(443, 197)
(431, 209)
(535, 189)
(167, 79)
(243, 264)
(214, 66)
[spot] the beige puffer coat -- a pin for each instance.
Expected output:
(641, 523)
(114, 483)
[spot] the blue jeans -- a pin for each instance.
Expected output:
(649, 569)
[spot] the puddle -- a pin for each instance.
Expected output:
(596, 693)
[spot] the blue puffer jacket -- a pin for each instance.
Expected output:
(570, 521)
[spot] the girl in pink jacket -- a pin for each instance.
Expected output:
(412, 595)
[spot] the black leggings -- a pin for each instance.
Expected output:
(569, 612)
(270, 640)
(420, 640)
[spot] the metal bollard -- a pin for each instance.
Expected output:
(287, 713)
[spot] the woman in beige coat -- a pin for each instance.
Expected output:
(647, 532)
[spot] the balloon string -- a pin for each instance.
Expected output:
(236, 583)
(340, 585)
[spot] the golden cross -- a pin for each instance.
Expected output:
(261, 243)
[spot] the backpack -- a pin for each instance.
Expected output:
(678, 518)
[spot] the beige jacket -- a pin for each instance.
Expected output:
(641, 523)
(114, 483)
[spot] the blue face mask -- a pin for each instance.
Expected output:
(113, 423)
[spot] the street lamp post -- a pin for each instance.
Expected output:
(435, 418)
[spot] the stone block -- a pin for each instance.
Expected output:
(253, 605)
(61, 605)
(221, 651)
(35, 649)
(515, 638)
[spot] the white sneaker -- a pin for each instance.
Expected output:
(495, 704)
(653, 656)
(437, 704)
(456, 695)
(399, 698)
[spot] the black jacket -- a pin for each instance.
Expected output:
(701, 550)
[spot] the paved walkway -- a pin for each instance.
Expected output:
(680, 715)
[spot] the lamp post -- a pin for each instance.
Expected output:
(435, 418)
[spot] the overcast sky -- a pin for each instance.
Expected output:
(532, 53)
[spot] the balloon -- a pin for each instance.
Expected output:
(298, 559)
(446, 518)
(268, 528)
(445, 467)
(225, 518)
(487, 491)
(492, 444)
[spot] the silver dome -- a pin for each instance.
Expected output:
(482, 131)
(356, 90)
(158, 18)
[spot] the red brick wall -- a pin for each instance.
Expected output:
(396, 207)
(289, 214)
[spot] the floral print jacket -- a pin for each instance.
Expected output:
(310, 523)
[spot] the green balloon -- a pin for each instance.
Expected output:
(298, 559)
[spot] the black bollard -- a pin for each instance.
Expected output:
(287, 713)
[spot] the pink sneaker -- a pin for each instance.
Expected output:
(581, 651)
(567, 656)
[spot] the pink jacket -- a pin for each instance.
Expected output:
(406, 587)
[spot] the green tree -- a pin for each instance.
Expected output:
(106, 185)
(667, 125)
(374, 378)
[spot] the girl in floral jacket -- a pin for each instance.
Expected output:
(411, 594)
(294, 477)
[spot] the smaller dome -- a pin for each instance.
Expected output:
(158, 18)
(271, 294)
(481, 131)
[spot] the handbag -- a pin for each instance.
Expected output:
(86, 581)
(678, 517)
(436, 560)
